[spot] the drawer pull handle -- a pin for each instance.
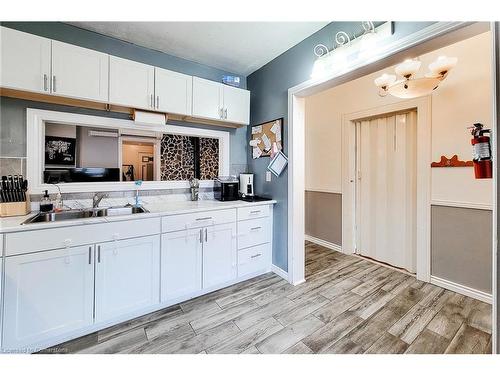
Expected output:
(67, 242)
(255, 212)
(256, 255)
(203, 218)
(255, 228)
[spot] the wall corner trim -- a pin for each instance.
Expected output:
(319, 241)
(280, 272)
(462, 289)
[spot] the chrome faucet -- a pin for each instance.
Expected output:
(97, 198)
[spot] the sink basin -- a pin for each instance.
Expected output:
(44, 217)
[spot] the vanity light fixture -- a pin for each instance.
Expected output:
(349, 49)
(410, 87)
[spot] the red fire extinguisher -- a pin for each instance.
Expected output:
(481, 151)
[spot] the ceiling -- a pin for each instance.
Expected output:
(237, 47)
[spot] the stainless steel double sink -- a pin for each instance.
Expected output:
(44, 217)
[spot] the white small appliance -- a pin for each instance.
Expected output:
(246, 184)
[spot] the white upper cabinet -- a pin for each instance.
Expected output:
(215, 101)
(127, 276)
(25, 61)
(219, 254)
(236, 105)
(40, 65)
(49, 294)
(131, 83)
(173, 92)
(207, 99)
(79, 72)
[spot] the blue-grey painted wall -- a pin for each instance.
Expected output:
(269, 100)
(13, 114)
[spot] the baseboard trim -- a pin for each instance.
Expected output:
(299, 282)
(462, 289)
(319, 241)
(279, 271)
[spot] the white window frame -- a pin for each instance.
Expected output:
(35, 153)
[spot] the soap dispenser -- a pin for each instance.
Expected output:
(46, 204)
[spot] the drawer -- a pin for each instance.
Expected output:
(253, 212)
(254, 259)
(197, 220)
(54, 238)
(253, 232)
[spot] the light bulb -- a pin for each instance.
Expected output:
(408, 68)
(385, 80)
(442, 65)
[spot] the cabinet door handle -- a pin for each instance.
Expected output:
(201, 235)
(157, 101)
(225, 113)
(90, 254)
(53, 83)
(99, 254)
(206, 235)
(204, 218)
(45, 82)
(221, 113)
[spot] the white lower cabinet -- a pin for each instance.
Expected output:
(127, 276)
(52, 295)
(181, 257)
(219, 254)
(47, 294)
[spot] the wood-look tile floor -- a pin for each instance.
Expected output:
(347, 305)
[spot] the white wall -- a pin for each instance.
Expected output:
(461, 100)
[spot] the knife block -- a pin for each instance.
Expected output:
(15, 208)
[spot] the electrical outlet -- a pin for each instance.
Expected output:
(268, 176)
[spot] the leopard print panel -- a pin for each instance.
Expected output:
(177, 158)
(209, 158)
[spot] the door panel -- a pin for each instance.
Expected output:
(219, 254)
(131, 83)
(181, 254)
(25, 61)
(79, 72)
(127, 276)
(236, 105)
(207, 99)
(386, 195)
(47, 294)
(174, 92)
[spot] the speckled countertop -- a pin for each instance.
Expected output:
(156, 205)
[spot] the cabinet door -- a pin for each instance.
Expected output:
(181, 263)
(1, 278)
(219, 254)
(236, 105)
(25, 61)
(207, 99)
(127, 276)
(131, 83)
(47, 294)
(79, 72)
(173, 91)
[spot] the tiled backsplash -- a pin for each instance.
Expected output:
(12, 165)
(116, 198)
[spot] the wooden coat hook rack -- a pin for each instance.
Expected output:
(453, 162)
